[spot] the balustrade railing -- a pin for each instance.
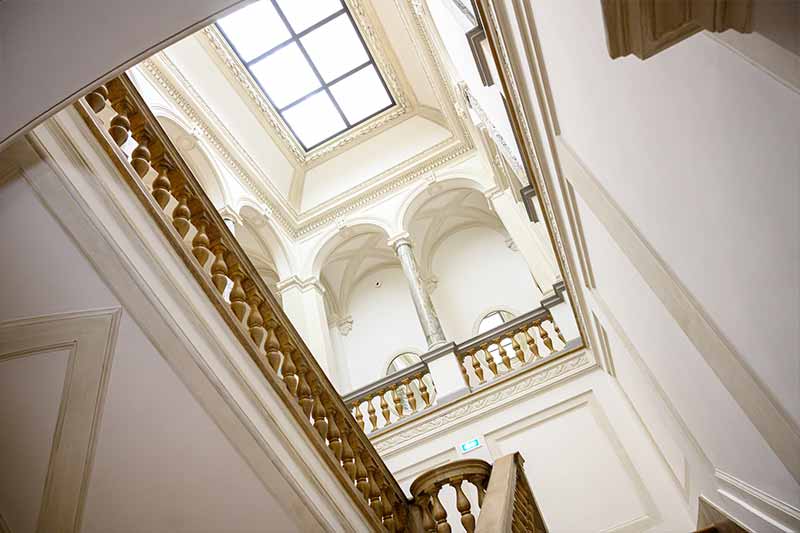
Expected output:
(509, 504)
(504, 498)
(393, 398)
(521, 341)
(140, 149)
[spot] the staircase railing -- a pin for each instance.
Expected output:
(505, 502)
(409, 392)
(525, 342)
(122, 123)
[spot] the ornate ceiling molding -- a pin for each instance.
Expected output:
(385, 60)
(174, 85)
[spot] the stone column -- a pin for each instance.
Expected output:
(419, 294)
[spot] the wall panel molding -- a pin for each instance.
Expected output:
(91, 338)
(587, 400)
(765, 508)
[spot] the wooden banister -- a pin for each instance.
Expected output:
(142, 152)
(509, 504)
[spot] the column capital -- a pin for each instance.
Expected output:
(303, 285)
(400, 239)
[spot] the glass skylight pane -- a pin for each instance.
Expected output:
(285, 75)
(361, 94)
(302, 14)
(335, 48)
(254, 29)
(314, 119)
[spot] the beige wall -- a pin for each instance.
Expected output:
(53, 51)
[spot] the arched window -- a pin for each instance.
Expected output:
(401, 361)
(491, 321)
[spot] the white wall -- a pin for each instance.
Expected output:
(699, 149)
(160, 462)
(478, 273)
(384, 325)
(53, 50)
(590, 463)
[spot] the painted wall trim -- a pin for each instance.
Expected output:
(91, 337)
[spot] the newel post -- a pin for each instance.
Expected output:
(445, 370)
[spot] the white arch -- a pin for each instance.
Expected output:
(421, 194)
(255, 219)
(337, 236)
(197, 156)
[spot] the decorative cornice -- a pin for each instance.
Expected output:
(439, 420)
(294, 282)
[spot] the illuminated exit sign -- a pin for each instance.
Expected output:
(468, 446)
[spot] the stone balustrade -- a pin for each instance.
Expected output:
(524, 340)
(393, 398)
(501, 491)
(145, 157)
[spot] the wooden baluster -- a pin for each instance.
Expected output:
(374, 491)
(120, 125)
(558, 331)
(359, 415)
(362, 483)
(476, 367)
(97, 98)
(303, 390)
(428, 525)
(410, 396)
(423, 391)
(219, 269)
(348, 457)
(140, 157)
(373, 419)
(272, 347)
(531, 342)
(334, 435)
(201, 243)
(545, 337)
(237, 296)
(387, 514)
(464, 507)
(255, 323)
(439, 512)
(384, 409)
(463, 368)
(480, 486)
(398, 403)
(504, 354)
(181, 215)
(517, 348)
(318, 412)
(489, 359)
(161, 185)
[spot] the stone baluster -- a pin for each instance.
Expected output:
(373, 418)
(97, 98)
(463, 506)
(439, 512)
(531, 342)
(423, 391)
(544, 336)
(517, 348)
(477, 368)
(358, 414)
(384, 408)
(410, 396)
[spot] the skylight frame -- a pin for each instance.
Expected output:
(295, 37)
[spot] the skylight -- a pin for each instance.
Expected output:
(311, 63)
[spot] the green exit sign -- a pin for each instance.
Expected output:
(470, 445)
